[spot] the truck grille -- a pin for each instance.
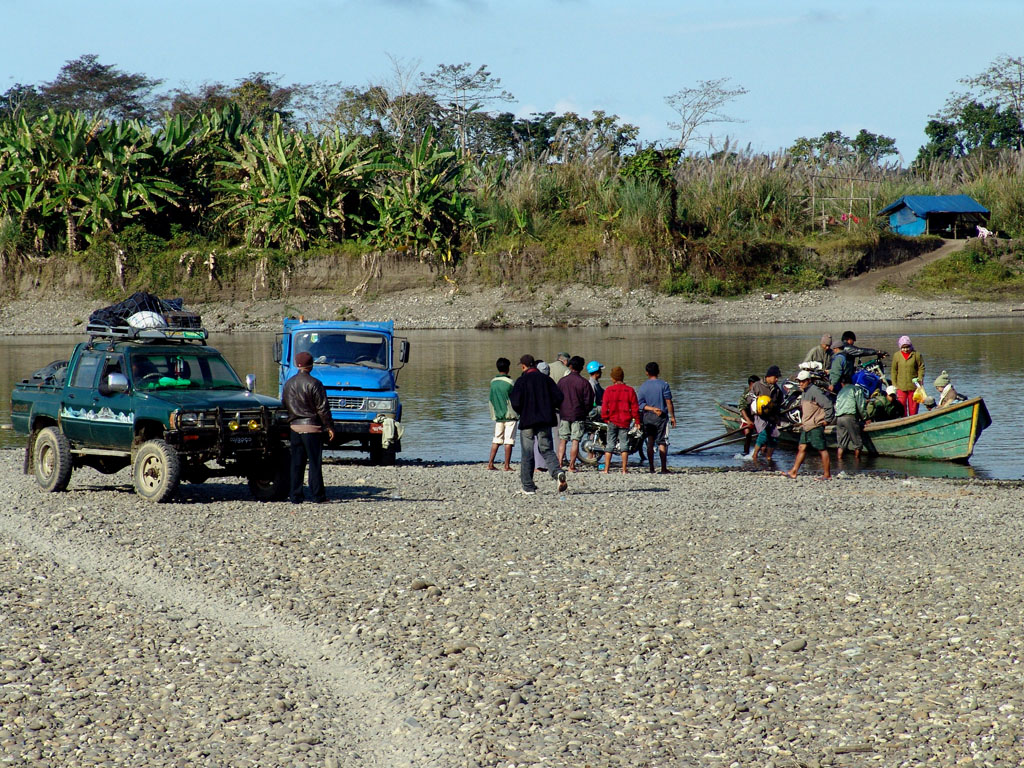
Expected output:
(346, 403)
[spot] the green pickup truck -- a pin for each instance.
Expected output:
(158, 400)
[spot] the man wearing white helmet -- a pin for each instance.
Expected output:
(817, 411)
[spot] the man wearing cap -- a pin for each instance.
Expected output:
(536, 398)
(767, 421)
(577, 400)
(947, 395)
(309, 416)
(817, 411)
(821, 353)
(884, 405)
(594, 369)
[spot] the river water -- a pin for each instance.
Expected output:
(444, 386)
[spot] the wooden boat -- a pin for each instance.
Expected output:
(941, 434)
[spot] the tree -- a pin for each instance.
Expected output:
(975, 127)
(701, 106)
(258, 98)
(21, 99)
(463, 92)
(100, 89)
(1001, 85)
(834, 147)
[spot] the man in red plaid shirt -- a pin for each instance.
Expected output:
(619, 409)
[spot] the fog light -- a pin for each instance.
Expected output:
(233, 425)
(253, 424)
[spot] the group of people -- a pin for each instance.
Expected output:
(545, 396)
(841, 402)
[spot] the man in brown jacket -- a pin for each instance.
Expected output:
(309, 416)
(817, 411)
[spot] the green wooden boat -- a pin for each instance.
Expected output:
(942, 434)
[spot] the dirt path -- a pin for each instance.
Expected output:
(867, 284)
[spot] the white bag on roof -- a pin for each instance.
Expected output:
(147, 319)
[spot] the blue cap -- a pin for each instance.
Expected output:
(593, 366)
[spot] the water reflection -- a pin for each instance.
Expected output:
(444, 386)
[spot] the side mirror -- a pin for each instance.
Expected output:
(117, 383)
(403, 351)
(250, 382)
(277, 348)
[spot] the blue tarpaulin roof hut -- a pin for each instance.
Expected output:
(947, 215)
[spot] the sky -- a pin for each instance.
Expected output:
(809, 66)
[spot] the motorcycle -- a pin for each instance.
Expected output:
(594, 444)
(869, 376)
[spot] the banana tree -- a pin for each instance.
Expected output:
(418, 203)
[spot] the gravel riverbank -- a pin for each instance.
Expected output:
(498, 307)
(429, 616)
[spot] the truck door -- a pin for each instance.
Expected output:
(79, 409)
(114, 425)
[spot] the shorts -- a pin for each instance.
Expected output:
(765, 438)
(505, 432)
(814, 438)
(618, 439)
(848, 434)
(570, 430)
(658, 431)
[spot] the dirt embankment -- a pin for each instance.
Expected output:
(415, 298)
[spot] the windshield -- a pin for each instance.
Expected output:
(344, 347)
(182, 371)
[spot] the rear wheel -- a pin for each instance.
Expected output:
(592, 448)
(52, 460)
(156, 471)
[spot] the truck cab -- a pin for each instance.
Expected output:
(358, 363)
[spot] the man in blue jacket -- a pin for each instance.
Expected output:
(535, 397)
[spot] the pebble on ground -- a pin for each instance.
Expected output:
(429, 616)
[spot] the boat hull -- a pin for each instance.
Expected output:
(942, 434)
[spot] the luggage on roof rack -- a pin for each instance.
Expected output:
(145, 316)
(144, 305)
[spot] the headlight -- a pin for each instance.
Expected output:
(381, 405)
(281, 416)
(188, 419)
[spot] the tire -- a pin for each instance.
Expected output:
(592, 440)
(156, 471)
(382, 457)
(272, 481)
(51, 457)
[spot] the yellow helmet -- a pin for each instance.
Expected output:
(762, 402)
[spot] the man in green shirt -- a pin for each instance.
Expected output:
(503, 415)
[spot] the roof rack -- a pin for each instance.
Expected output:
(102, 330)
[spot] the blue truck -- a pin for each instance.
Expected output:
(358, 363)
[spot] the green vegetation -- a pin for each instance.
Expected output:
(225, 192)
(982, 271)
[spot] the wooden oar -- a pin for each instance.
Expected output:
(707, 443)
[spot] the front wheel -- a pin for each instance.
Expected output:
(157, 471)
(382, 457)
(52, 460)
(272, 481)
